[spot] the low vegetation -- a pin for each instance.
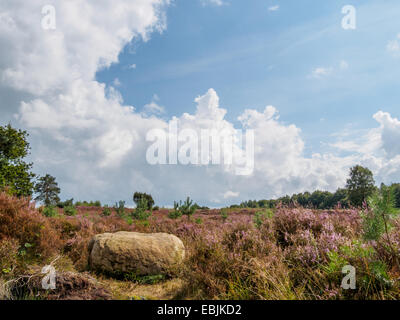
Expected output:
(282, 253)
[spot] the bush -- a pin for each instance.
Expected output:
(175, 214)
(106, 211)
(49, 211)
(141, 212)
(21, 221)
(70, 211)
(96, 203)
(186, 208)
(224, 214)
(261, 216)
(120, 208)
(8, 256)
(138, 197)
(66, 203)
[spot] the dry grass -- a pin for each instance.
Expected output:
(288, 254)
(127, 290)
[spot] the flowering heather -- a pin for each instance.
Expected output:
(294, 253)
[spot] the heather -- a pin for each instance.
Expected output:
(284, 253)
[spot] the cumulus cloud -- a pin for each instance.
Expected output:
(83, 133)
(390, 133)
(153, 108)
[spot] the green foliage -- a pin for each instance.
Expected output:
(175, 214)
(261, 216)
(142, 212)
(396, 193)
(187, 208)
(198, 221)
(318, 199)
(128, 219)
(224, 214)
(132, 276)
(66, 203)
(138, 196)
(377, 219)
(15, 174)
(360, 185)
(335, 264)
(47, 190)
(106, 211)
(120, 208)
(70, 211)
(379, 271)
(49, 211)
(85, 203)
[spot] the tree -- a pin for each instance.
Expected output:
(47, 190)
(396, 192)
(138, 197)
(187, 208)
(360, 185)
(15, 174)
(340, 197)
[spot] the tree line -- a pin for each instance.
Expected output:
(17, 178)
(360, 185)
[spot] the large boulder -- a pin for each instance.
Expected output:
(139, 253)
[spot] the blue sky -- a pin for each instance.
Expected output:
(255, 57)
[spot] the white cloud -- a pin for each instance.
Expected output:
(153, 109)
(393, 46)
(343, 65)
(321, 72)
(132, 66)
(213, 2)
(390, 133)
(84, 134)
(273, 8)
(231, 194)
(117, 82)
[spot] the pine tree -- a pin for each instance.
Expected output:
(47, 190)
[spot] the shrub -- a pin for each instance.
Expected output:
(261, 216)
(106, 211)
(66, 203)
(377, 219)
(224, 214)
(176, 213)
(49, 211)
(8, 256)
(85, 203)
(138, 197)
(141, 212)
(187, 208)
(70, 211)
(120, 208)
(21, 221)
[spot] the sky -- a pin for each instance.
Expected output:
(320, 98)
